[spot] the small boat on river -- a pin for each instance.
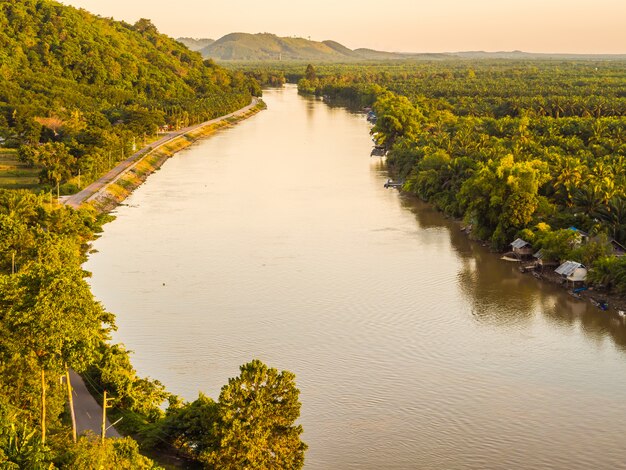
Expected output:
(393, 184)
(601, 304)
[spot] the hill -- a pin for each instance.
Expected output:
(269, 47)
(93, 86)
(195, 44)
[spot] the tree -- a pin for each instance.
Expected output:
(54, 158)
(310, 74)
(48, 313)
(255, 424)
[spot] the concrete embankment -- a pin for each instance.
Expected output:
(109, 191)
(112, 188)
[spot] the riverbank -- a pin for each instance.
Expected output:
(110, 190)
(107, 193)
(616, 302)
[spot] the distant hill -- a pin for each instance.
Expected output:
(269, 47)
(195, 44)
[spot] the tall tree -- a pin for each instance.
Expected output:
(255, 425)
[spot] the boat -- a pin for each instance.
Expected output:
(601, 304)
(393, 184)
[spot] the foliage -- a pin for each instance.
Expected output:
(609, 271)
(89, 453)
(94, 88)
(251, 426)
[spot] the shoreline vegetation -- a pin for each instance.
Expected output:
(78, 94)
(530, 150)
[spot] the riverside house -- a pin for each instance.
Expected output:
(572, 271)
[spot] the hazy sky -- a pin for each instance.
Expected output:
(577, 26)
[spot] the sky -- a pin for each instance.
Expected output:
(559, 26)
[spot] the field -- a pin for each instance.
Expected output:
(15, 174)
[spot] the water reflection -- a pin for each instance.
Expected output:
(413, 347)
(501, 295)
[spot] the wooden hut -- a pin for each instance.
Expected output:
(522, 248)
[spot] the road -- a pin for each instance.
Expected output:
(88, 410)
(77, 199)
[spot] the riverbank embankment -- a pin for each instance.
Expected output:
(110, 190)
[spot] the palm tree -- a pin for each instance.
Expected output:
(614, 215)
(569, 177)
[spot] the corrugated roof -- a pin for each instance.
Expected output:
(519, 243)
(568, 268)
(540, 254)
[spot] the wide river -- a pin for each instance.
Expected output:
(412, 346)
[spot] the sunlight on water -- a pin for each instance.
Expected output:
(412, 347)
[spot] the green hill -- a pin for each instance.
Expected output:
(195, 44)
(98, 86)
(269, 47)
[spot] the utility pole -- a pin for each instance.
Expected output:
(105, 405)
(71, 402)
(43, 406)
(79, 178)
(13, 263)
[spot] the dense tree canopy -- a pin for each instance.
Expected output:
(507, 145)
(93, 87)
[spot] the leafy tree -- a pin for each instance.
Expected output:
(90, 453)
(310, 74)
(55, 159)
(48, 313)
(256, 416)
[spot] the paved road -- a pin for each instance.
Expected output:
(77, 199)
(88, 410)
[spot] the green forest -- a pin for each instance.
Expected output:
(525, 149)
(77, 94)
(515, 148)
(93, 90)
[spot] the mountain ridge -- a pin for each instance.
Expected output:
(239, 46)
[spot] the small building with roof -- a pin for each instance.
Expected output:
(618, 248)
(544, 261)
(572, 271)
(522, 248)
(584, 236)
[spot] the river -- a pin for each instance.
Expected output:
(412, 346)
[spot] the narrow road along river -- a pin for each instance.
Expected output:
(413, 347)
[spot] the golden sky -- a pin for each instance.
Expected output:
(573, 26)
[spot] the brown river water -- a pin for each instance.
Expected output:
(412, 346)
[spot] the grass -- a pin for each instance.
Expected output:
(15, 174)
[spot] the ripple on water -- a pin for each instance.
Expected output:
(412, 347)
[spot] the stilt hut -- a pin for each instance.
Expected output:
(522, 248)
